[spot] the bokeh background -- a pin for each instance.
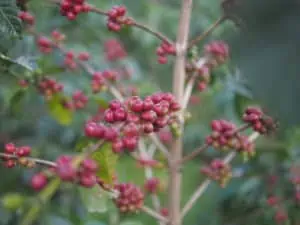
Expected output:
(263, 69)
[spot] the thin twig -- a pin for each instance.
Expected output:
(201, 149)
(163, 149)
(154, 214)
(201, 189)
(189, 86)
(149, 174)
(206, 33)
(193, 154)
(134, 23)
(36, 160)
(153, 32)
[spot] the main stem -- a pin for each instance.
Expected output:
(178, 91)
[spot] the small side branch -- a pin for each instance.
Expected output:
(198, 151)
(207, 32)
(36, 160)
(154, 214)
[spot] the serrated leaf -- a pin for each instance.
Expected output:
(107, 161)
(95, 199)
(61, 114)
(10, 24)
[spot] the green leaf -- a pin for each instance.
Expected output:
(10, 24)
(82, 143)
(107, 161)
(95, 199)
(15, 101)
(61, 114)
(103, 103)
(12, 201)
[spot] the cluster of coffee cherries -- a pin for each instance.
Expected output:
(84, 174)
(67, 170)
(273, 200)
(151, 114)
(116, 18)
(20, 154)
(26, 17)
(99, 79)
(114, 50)
(152, 185)
(79, 100)
(204, 78)
(260, 122)
(134, 116)
(280, 216)
(71, 8)
(217, 52)
(49, 87)
(163, 51)
(45, 45)
(225, 137)
(130, 198)
(218, 171)
(69, 61)
(98, 82)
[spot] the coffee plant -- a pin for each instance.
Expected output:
(148, 127)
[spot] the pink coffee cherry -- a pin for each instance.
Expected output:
(219, 50)
(38, 181)
(45, 45)
(152, 185)
(163, 51)
(27, 17)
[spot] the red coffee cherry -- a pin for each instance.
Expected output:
(38, 181)
(116, 18)
(163, 51)
(26, 17)
(218, 51)
(152, 185)
(44, 45)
